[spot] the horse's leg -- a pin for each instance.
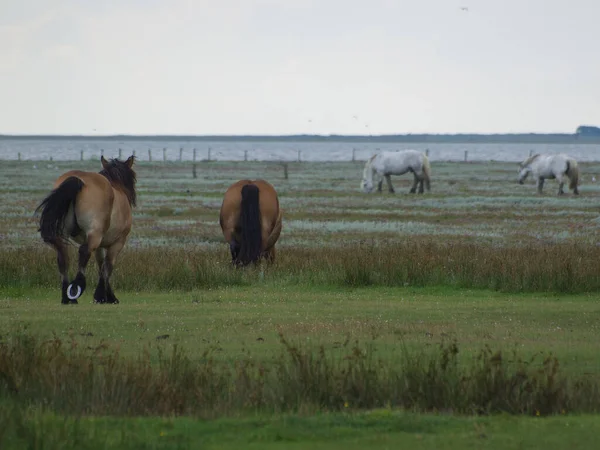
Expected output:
(234, 248)
(78, 285)
(561, 183)
(413, 189)
(269, 255)
(100, 292)
(421, 181)
(62, 259)
(540, 185)
(109, 264)
(380, 185)
(388, 180)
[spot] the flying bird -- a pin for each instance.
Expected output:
(464, 8)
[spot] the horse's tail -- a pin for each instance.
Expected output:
(573, 173)
(55, 208)
(426, 172)
(251, 230)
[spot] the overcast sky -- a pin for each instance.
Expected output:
(298, 66)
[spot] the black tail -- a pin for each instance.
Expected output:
(251, 232)
(55, 208)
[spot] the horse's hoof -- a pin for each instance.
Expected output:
(74, 292)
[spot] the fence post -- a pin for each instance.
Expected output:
(120, 153)
(180, 153)
(299, 159)
(101, 152)
(530, 153)
(150, 155)
(245, 155)
(427, 152)
(194, 155)
(353, 155)
(466, 155)
(50, 158)
(19, 156)
(209, 149)
(285, 170)
(81, 155)
(164, 154)
(194, 170)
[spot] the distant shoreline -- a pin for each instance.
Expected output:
(516, 138)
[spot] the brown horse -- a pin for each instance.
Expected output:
(94, 210)
(251, 221)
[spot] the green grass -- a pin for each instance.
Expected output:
(383, 429)
(249, 318)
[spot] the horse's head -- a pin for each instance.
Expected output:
(121, 173)
(366, 185)
(524, 170)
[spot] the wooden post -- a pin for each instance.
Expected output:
(245, 155)
(164, 154)
(101, 152)
(208, 159)
(353, 155)
(530, 153)
(50, 158)
(285, 170)
(299, 159)
(150, 155)
(194, 155)
(19, 156)
(466, 155)
(120, 154)
(180, 153)
(427, 153)
(194, 170)
(81, 155)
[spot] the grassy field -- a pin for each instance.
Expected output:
(480, 262)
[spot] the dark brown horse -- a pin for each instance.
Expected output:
(94, 210)
(251, 221)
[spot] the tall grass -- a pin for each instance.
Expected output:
(66, 378)
(566, 268)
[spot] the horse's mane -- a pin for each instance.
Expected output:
(530, 160)
(122, 176)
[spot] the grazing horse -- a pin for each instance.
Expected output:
(551, 166)
(251, 221)
(385, 164)
(93, 210)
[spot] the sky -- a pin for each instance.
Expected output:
(222, 67)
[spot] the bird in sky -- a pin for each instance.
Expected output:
(464, 8)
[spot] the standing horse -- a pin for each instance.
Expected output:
(94, 210)
(385, 164)
(251, 221)
(551, 166)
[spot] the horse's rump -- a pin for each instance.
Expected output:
(250, 219)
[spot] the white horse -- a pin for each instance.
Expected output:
(551, 166)
(385, 164)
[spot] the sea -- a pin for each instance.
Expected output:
(227, 150)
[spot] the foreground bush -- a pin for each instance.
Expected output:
(66, 378)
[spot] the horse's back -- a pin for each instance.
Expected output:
(98, 207)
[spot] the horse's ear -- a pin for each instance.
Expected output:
(130, 161)
(104, 162)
